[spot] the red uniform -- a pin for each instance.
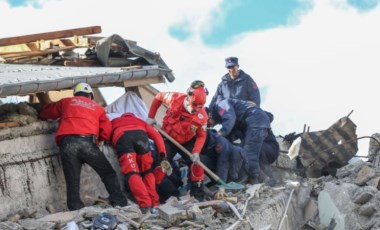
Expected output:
(79, 116)
(80, 119)
(130, 138)
(182, 125)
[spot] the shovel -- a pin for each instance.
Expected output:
(220, 182)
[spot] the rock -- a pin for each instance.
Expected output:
(311, 210)
(374, 182)
(32, 224)
(334, 202)
(365, 174)
(367, 210)
(9, 225)
(364, 194)
(373, 147)
(61, 217)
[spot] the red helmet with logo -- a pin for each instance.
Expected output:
(196, 96)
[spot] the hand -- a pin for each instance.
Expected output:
(166, 167)
(195, 157)
(151, 121)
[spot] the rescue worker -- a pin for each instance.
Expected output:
(130, 139)
(236, 84)
(246, 116)
(270, 150)
(220, 155)
(82, 125)
(226, 160)
(185, 121)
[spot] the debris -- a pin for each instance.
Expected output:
(189, 223)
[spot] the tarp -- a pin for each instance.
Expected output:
(128, 53)
(129, 102)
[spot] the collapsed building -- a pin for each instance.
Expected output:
(317, 186)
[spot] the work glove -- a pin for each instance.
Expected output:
(166, 167)
(165, 164)
(195, 157)
(151, 121)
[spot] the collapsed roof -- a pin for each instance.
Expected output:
(58, 60)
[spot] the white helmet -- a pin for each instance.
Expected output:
(82, 87)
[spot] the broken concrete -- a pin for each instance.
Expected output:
(32, 186)
(31, 174)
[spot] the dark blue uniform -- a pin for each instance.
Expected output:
(248, 118)
(243, 88)
(269, 153)
(219, 155)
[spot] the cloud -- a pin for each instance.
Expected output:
(314, 71)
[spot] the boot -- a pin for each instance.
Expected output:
(196, 190)
(144, 210)
(266, 170)
(253, 180)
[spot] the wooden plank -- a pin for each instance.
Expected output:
(50, 35)
(36, 53)
(9, 124)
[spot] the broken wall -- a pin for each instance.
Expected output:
(31, 174)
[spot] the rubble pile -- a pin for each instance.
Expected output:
(259, 206)
(349, 200)
(21, 113)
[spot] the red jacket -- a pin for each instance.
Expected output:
(79, 116)
(178, 123)
(128, 121)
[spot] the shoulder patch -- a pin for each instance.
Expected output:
(200, 116)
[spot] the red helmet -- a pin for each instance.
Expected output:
(197, 97)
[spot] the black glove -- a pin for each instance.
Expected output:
(291, 137)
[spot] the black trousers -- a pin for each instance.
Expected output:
(76, 150)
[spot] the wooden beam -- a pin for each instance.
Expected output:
(50, 35)
(143, 81)
(36, 53)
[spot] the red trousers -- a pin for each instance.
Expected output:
(141, 180)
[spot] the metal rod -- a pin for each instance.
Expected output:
(286, 209)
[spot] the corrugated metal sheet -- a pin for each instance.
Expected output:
(24, 79)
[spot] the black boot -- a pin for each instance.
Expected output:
(253, 180)
(199, 190)
(267, 171)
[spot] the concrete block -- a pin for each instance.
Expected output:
(335, 202)
(328, 211)
(365, 174)
(283, 161)
(373, 147)
(303, 194)
(61, 217)
(364, 194)
(374, 182)
(311, 210)
(368, 209)
(170, 213)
